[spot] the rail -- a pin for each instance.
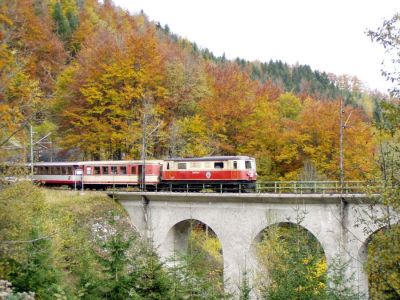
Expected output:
(276, 187)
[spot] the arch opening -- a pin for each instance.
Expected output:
(289, 262)
(381, 256)
(195, 251)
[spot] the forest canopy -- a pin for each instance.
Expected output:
(91, 75)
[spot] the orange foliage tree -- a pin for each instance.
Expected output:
(230, 103)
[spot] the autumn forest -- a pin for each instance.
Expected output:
(97, 79)
(86, 80)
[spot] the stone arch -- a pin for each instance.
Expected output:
(254, 260)
(363, 256)
(176, 239)
(364, 243)
(257, 235)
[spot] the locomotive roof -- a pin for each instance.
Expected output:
(211, 158)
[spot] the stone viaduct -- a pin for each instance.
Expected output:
(239, 219)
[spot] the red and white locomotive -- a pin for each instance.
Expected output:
(229, 173)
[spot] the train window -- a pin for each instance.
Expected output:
(96, 170)
(70, 171)
(219, 165)
(181, 166)
(35, 170)
(248, 164)
(64, 170)
(167, 166)
(195, 164)
(235, 166)
(114, 170)
(47, 170)
(89, 171)
(104, 170)
(122, 170)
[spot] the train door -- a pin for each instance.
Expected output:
(78, 177)
(235, 173)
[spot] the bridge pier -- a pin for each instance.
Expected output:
(238, 220)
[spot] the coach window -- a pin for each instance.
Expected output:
(235, 165)
(104, 170)
(133, 170)
(122, 170)
(219, 165)
(181, 166)
(46, 170)
(89, 171)
(64, 170)
(96, 170)
(248, 164)
(70, 171)
(114, 170)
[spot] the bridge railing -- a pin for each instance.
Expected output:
(313, 187)
(275, 187)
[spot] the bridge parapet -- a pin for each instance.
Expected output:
(284, 198)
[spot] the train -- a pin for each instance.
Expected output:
(222, 173)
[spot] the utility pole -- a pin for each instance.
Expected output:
(343, 126)
(144, 124)
(343, 202)
(341, 152)
(31, 144)
(41, 142)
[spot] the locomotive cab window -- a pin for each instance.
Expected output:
(96, 170)
(219, 165)
(105, 170)
(181, 166)
(248, 164)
